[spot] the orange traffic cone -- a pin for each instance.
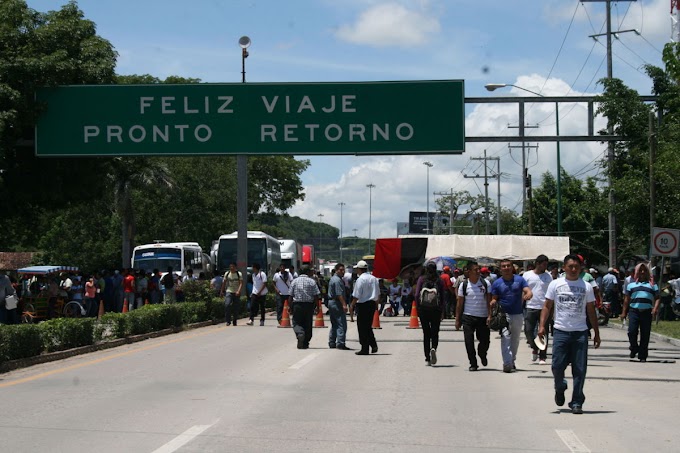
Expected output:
(318, 322)
(285, 317)
(413, 323)
(125, 306)
(101, 309)
(376, 320)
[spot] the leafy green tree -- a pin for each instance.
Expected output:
(450, 205)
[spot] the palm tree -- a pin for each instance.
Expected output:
(127, 174)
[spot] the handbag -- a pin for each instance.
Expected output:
(11, 302)
(499, 320)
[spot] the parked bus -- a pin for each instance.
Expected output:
(291, 253)
(181, 256)
(262, 249)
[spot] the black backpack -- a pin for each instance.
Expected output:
(429, 295)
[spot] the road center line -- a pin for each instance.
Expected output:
(572, 441)
(304, 361)
(183, 439)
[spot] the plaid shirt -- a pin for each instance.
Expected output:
(304, 289)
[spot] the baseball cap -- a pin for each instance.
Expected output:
(484, 270)
(447, 268)
(361, 265)
(592, 270)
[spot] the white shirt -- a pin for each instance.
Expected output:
(395, 291)
(539, 285)
(475, 299)
(571, 297)
(405, 290)
(675, 286)
(283, 285)
(259, 283)
(366, 288)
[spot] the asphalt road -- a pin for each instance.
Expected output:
(248, 389)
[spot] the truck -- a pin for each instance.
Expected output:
(309, 256)
(291, 253)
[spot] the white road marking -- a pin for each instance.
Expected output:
(183, 439)
(572, 441)
(304, 361)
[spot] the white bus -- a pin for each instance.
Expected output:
(181, 256)
(291, 253)
(263, 249)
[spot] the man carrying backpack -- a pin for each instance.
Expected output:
(472, 311)
(430, 303)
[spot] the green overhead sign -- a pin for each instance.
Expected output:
(424, 117)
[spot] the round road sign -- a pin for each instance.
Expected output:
(665, 242)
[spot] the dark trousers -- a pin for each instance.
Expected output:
(639, 320)
(280, 300)
(430, 321)
(532, 317)
(257, 303)
(475, 325)
(364, 325)
(231, 308)
(303, 314)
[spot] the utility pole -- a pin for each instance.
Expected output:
(486, 191)
(652, 186)
(498, 177)
(526, 181)
(610, 131)
(451, 215)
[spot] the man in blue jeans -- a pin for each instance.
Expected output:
(574, 302)
(337, 307)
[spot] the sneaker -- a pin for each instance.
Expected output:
(559, 396)
(541, 362)
(261, 322)
(473, 368)
(228, 324)
(249, 323)
(633, 354)
(361, 353)
(374, 349)
(342, 347)
(331, 346)
(433, 356)
(507, 368)
(534, 356)
(576, 409)
(643, 360)
(484, 361)
(300, 342)
(514, 367)
(427, 362)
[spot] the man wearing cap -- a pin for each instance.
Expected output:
(538, 280)
(305, 295)
(365, 297)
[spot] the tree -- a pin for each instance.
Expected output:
(38, 50)
(449, 205)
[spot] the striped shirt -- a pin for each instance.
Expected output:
(304, 289)
(642, 295)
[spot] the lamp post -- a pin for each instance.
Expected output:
(341, 204)
(242, 184)
(428, 165)
(320, 216)
(495, 86)
(370, 208)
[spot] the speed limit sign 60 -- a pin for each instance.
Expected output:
(665, 242)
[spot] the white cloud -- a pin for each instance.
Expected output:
(390, 24)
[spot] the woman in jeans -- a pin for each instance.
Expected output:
(430, 312)
(640, 305)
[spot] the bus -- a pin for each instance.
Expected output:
(181, 256)
(262, 249)
(291, 253)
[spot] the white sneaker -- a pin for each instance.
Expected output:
(534, 357)
(249, 323)
(541, 362)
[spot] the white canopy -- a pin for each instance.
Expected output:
(516, 248)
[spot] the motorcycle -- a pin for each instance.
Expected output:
(604, 312)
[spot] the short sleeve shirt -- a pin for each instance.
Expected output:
(260, 283)
(538, 283)
(509, 293)
(570, 297)
(336, 287)
(475, 299)
(366, 288)
(283, 284)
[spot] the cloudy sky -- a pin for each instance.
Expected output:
(541, 45)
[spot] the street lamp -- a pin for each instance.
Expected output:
(370, 194)
(341, 204)
(495, 86)
(244, 42)
(242, 183)
(428, 165)
(320, 216)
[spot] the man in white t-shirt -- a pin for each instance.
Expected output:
(574, 302)
(282, 281)
(257, 297)
(472, 312)
(538, 280)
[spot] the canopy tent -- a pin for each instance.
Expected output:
(45, 270)
(516, 248)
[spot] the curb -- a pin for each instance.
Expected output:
(60, 355)
(655, 336)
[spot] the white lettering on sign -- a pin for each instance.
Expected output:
(114, 131)
(207, 133)
(169, 105)
(227, 100)
(306, 104)
(335, 132)
(141, 136)
(90, 132)
(166, 103)
(148, 254)
(138, 133)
